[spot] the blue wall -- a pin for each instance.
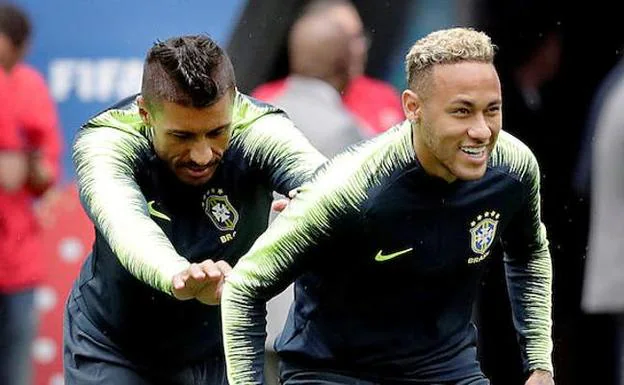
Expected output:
(91, 51)
(425, 16)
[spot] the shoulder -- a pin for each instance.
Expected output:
(610, 105)
(515, 158)
(270, 90)
(376, 85)
(28, 75)
(354, 172)
(254, 118)
(248, 110)
(123, 116)
(117, 132)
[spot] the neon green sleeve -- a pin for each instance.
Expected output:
(106, 160)
(528, 264)
(274, 145)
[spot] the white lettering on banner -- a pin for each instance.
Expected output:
(94, 80)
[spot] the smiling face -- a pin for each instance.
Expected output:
(190, 140)
(457, 119)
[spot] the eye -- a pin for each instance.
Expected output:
(216, 133)
(180, 135)
(460, 111)
(493, 110)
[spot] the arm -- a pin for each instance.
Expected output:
(106, 160)
(278, 256)
(529, 275)
(12, 159)
(274, 145)
(42, 135)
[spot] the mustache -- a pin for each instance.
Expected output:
(193, 165)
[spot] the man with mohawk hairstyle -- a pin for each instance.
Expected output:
(178, 182)
(388, 242)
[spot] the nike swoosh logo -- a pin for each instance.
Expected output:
(380, 257)
(156, 213)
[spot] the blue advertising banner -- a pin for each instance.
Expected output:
(91, 51)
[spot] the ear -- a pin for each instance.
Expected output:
(411, 105)
(145, 115)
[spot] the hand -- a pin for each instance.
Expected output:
(44, 207)
(40, 175)
(13, 170)
(279, 205)
(203, 281)
(540, 377)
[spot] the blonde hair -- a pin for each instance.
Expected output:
(447, 46)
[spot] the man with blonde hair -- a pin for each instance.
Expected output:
(388, 242)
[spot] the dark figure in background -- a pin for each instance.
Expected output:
(544, 55)
(375, 103)
(604, 275)
(319, 71)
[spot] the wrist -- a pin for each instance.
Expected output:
(541, 373)
(168, 273)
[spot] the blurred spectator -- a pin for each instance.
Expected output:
(22, 210)
(604, 275)
(375, 104)
(12, 160)
(318, 51)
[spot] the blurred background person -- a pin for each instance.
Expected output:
(548, 82)
(24, 210)
(319, 58)
(319, 71)
(13, 169)
(604, 275)
(373, 102)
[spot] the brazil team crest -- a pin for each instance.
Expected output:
(483, 234)
(219, 209)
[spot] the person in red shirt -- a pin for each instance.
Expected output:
(38, 144)
(12, 160)
(376, 104)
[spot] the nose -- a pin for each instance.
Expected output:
(480, 130)
(201, 153)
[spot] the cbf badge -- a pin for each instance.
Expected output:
(482, 235)
(219, 209)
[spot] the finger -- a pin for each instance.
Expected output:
(224, 267)
(197, 272)
(211, 270)
(179, 280)
(279, 205)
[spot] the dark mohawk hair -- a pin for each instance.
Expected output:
(188, 70)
